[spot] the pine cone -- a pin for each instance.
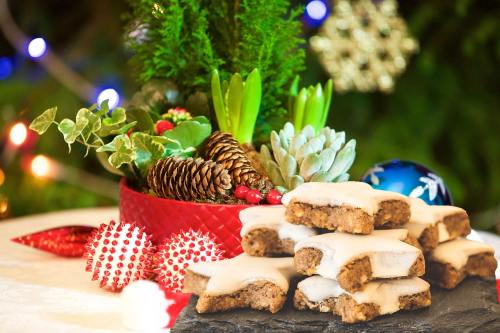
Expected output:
(224, 149)
(189, 179)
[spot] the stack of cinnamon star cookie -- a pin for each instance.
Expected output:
(440, 231)
(355, 271)
(360, 248)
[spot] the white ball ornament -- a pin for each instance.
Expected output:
(144, 306)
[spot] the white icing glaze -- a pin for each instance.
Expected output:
(389, 257)
(262, 214)
(261, 217)
(273, 217)
(355, 194)
(424, 215)
(456, 252)
(230, 275)
(295, 232)
(399, 234)
(384, 293)
(317, 288)
(443, 233)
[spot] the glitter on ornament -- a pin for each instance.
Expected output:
(118, 254)
(364, 45)
(67, 241)
(180, 251)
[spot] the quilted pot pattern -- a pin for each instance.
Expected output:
(164, 217)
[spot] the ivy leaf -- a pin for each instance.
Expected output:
(42, 123)
(103, 109)
(71, 130)
(144, 121)
(190, 133)
(124, 129)
(118, 116)
(107, 147)
(93, 123)
(121, 147)
(93, 107)
(146, 150)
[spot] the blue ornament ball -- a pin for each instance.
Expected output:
(411, 179)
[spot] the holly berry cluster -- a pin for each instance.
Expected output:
(255, 197)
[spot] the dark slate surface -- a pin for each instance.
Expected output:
(471, 307)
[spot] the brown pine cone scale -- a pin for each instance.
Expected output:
(224, 149)
(189, 179)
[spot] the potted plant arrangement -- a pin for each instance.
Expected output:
(184, 144)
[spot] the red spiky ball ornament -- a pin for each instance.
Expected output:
(119, 253)
(181, 250)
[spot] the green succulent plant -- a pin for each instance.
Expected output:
(304, 156)
(310, 105)
(237, 104)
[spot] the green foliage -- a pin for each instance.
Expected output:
(310, 106)
(190, 133)
(237, 105)
(187, 39)
(303, 156)
(132, 155)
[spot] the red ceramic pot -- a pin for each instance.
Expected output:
(164, 217)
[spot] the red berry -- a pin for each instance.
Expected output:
(241, 192)
(253, 197)
(273, 197)
(162, 126)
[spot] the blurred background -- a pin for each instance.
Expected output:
(443, 112)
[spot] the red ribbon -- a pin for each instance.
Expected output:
(498, 290)
(67, 241)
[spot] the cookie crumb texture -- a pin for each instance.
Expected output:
(448, 277)
(353, 276)
(352, 312)
(456, 225)
(471, 307)
(391, 213)
(260, 295)
(266, 243)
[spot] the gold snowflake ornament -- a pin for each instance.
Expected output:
(364, 45)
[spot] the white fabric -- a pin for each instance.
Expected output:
(40, 292)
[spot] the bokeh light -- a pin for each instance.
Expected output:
(111, 95)
(18, 134)
(42, 167)
(37, 48)
(4, 206)
(2, 177)
(316, 11)
(6, 67)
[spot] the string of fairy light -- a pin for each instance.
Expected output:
(20, 140)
